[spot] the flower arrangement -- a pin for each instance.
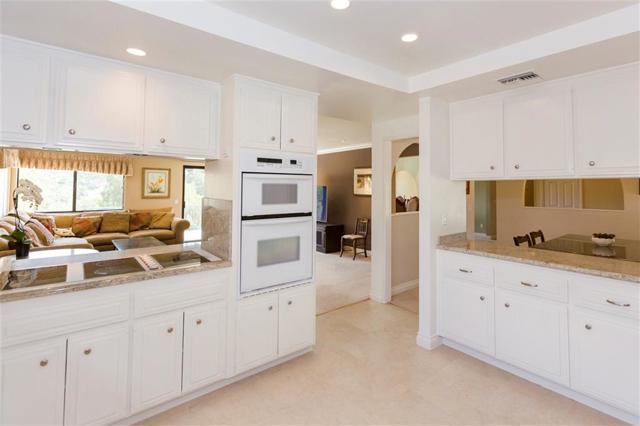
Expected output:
(32, 194)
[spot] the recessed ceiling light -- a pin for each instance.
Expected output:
(340, 4)
(135, 51)
(409, 37)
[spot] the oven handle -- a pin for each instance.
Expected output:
(275, 216)
(278, 220)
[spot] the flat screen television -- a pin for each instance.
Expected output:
(321, 208)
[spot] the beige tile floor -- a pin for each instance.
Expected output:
(367, 369)
(407, 300)
(341, 281)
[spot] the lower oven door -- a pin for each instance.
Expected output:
(275, 252)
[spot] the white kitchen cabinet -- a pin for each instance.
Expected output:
(605, 354)
(258, 121)
(476, 139)
(538, 132)
(157, 360)
(25, 75)
(257, 331)
(299, 116)
(466, 314)
(33, 383)
(100, 105)
(97, 371)
(532, 333)
(181, 116)
(297, 319)
(205, 329)
(605, 122)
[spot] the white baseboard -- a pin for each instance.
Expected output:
(555, 387)
(402, 287)
(428, 342)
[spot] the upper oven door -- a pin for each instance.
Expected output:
(266, 194)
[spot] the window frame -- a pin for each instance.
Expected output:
(75, 193)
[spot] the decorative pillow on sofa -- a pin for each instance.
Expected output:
(161, 220)
(47, 220)
(45, 237)
(63, 232)
(139, 220)
(85, 225)
(115, 222)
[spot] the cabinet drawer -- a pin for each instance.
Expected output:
(466, 267)
(533, 281)
(605, 295)
(167, 294)
(33, 319)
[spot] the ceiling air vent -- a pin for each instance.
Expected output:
(525, 76)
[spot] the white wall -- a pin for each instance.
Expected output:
(405, 250)
(441, 200)
(335, 134)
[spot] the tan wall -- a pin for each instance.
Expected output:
(133, 184)
(515, 219)
(404, 248)
(336, 172)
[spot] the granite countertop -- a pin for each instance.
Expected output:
(591, 265)
(75, 275)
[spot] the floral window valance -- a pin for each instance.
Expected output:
(62, 160)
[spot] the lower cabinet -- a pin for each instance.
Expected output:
(605, 358)
(33, 383)
(296, 319)
(532, 333)
(96, 391)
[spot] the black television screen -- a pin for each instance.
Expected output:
(322, 204)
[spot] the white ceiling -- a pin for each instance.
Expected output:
(449, 31)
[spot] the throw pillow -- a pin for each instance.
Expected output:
(46, 238)
(139, 220)
(33, 236)
(161, 220)
(63, 232)
(115, 222)
(47, 220)
(7, 226)
(85, 225)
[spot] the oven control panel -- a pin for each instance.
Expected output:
(279, 163)
(261, 161)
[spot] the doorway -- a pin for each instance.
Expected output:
(192, 194)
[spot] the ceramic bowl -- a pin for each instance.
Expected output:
(603, 242)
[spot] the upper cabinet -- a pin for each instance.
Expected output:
(181, 116)
(25, 76)
(580, 126)
(537, 133)
(268, 116)
(476, 138)
(605, 122)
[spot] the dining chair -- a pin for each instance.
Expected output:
(360, 234)
(519, 239)
(536, 234)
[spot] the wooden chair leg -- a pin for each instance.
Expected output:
(365, 248)
(341, 246)
(355, 243)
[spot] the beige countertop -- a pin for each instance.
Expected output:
(591, 265)
(75, 277)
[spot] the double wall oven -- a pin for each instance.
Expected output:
(277, 223)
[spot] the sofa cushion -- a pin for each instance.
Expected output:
(46, 238)
(102, 239)
(161, 220)
(160, 209)
(65, 220)
(49, 221)
(115, 222)
(161, 234)
(63, 232)
(71, 242)
(7, 226)
(139, 220)
(33, 236)
(85, 226)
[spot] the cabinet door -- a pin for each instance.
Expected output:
(181, 116)
(33, 383)
(157, 360)
(257, 335)
(605, 354)
(25, 93)
(476, 139)
(297, 319)
(299, 117)
(465, 314)
(101, 106)
(97, 370)
(606, 128)
(538, 133)
(258, 120)
(204, 345)
(531, 333)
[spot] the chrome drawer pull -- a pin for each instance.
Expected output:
(526, 284)
(466, 271)
(623, 305)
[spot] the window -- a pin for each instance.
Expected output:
(69, 191)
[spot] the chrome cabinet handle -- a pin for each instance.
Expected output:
(198, 322)
(162, 140)
(271, 308)
(622, 305)
(482, 298)
(491, 167)
(291, 140)
(44, 363)
(170, 330)
(289, 302)
(72, 131)
(87, 351)
(26, 126)
(517, 166)
(526, 284)
(592, 163)
(273, 138)
(466, 271)
(506, 305)
(588, 326)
